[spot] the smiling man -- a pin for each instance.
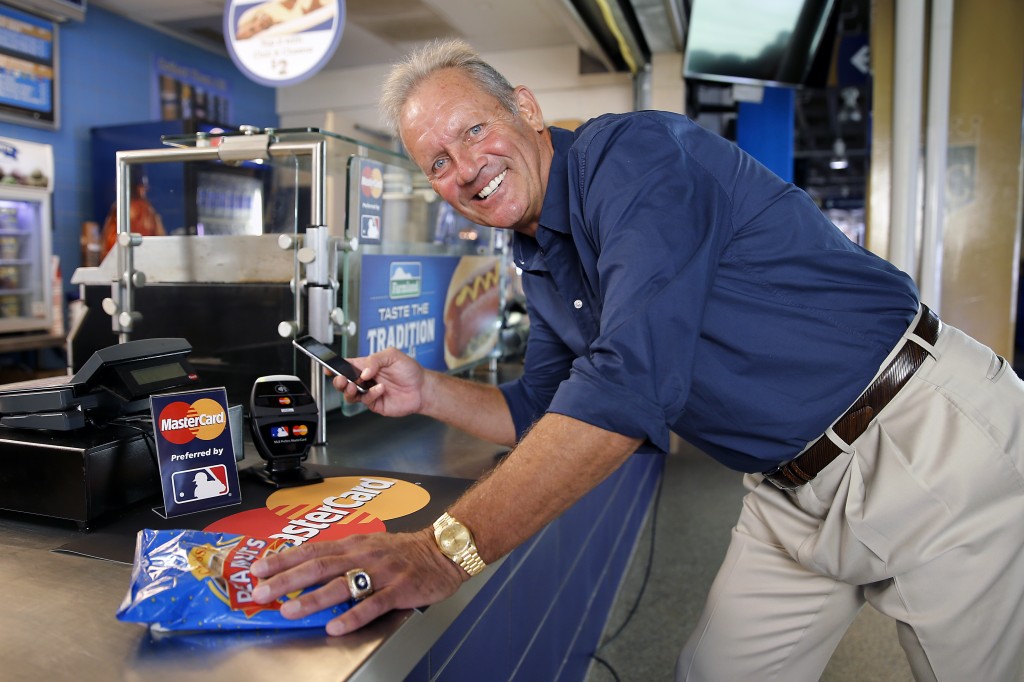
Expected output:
(491, 164)
(675, 285)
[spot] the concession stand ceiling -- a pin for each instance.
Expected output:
(612, 35)
(380, 31)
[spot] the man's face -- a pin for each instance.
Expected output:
(489, 164)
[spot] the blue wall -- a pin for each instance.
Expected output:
(765, 130)
(106, 78)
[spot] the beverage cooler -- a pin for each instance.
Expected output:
(25, 228)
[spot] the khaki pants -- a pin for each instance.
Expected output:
(923, 517)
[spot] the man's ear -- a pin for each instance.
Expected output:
(529, 108)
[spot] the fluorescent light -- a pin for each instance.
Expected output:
(839, 160)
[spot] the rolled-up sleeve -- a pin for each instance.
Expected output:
(650, 225)
(546, 365)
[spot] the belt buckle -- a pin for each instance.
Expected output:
(779, 479)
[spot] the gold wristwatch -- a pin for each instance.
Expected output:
(456, 542)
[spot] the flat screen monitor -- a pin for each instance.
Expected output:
(28, 68)
(770, 42)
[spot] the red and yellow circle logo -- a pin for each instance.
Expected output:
(181, 422)
(262, 522)
(371, 182)
(336, 508)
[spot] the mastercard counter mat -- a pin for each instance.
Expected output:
(198, 578)
(348, 502)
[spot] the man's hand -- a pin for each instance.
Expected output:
(404, 387)
(406, 569)
(400, 382)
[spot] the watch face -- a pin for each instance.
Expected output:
(453, 539)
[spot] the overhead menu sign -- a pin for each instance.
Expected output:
(28, 68)
(282, 42)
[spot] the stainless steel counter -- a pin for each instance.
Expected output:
(58, 620)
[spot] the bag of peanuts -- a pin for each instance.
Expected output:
(194, 580)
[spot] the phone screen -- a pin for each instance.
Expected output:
(332, 361)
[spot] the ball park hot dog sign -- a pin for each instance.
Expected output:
(445, 311)
(282, 42)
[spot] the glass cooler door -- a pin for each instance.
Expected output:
(25, 302)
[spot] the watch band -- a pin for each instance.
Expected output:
(468, 559)
(471, 562)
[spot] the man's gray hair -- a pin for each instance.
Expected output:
(445, 53)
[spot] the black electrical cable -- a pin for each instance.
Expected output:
(147, 434)
(643, 585)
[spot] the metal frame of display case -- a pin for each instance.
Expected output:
(249, 146)
(327, 253)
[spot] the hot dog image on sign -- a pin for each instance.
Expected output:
(472, 310)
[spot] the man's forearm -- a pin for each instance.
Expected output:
(556, 464)
(470, 406)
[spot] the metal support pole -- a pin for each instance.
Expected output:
(642, 96)
(937, 142)
(906, 135)
(121, 304)
(320, 296)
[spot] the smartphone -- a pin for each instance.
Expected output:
(332, 361)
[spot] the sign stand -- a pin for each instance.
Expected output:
(194, 452)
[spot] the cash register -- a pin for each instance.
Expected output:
(77, 447)
(114, 382)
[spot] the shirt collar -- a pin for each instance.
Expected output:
(554, 214)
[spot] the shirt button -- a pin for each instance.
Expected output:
(577, 304)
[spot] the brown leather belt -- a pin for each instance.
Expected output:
(851, 425)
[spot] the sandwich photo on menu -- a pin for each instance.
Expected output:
(278, 17)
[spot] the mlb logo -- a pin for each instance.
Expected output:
(203, 483)
(279, 432)
(370, 227)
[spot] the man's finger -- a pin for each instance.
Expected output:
(334, 592)
(293, 556)
(371, 608)
(298, 573)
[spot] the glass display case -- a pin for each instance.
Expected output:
(195, 198)
(347, 242)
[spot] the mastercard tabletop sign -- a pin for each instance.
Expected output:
(194, 452)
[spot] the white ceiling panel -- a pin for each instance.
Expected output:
(379, 31)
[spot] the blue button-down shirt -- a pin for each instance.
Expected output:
(676, 284)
